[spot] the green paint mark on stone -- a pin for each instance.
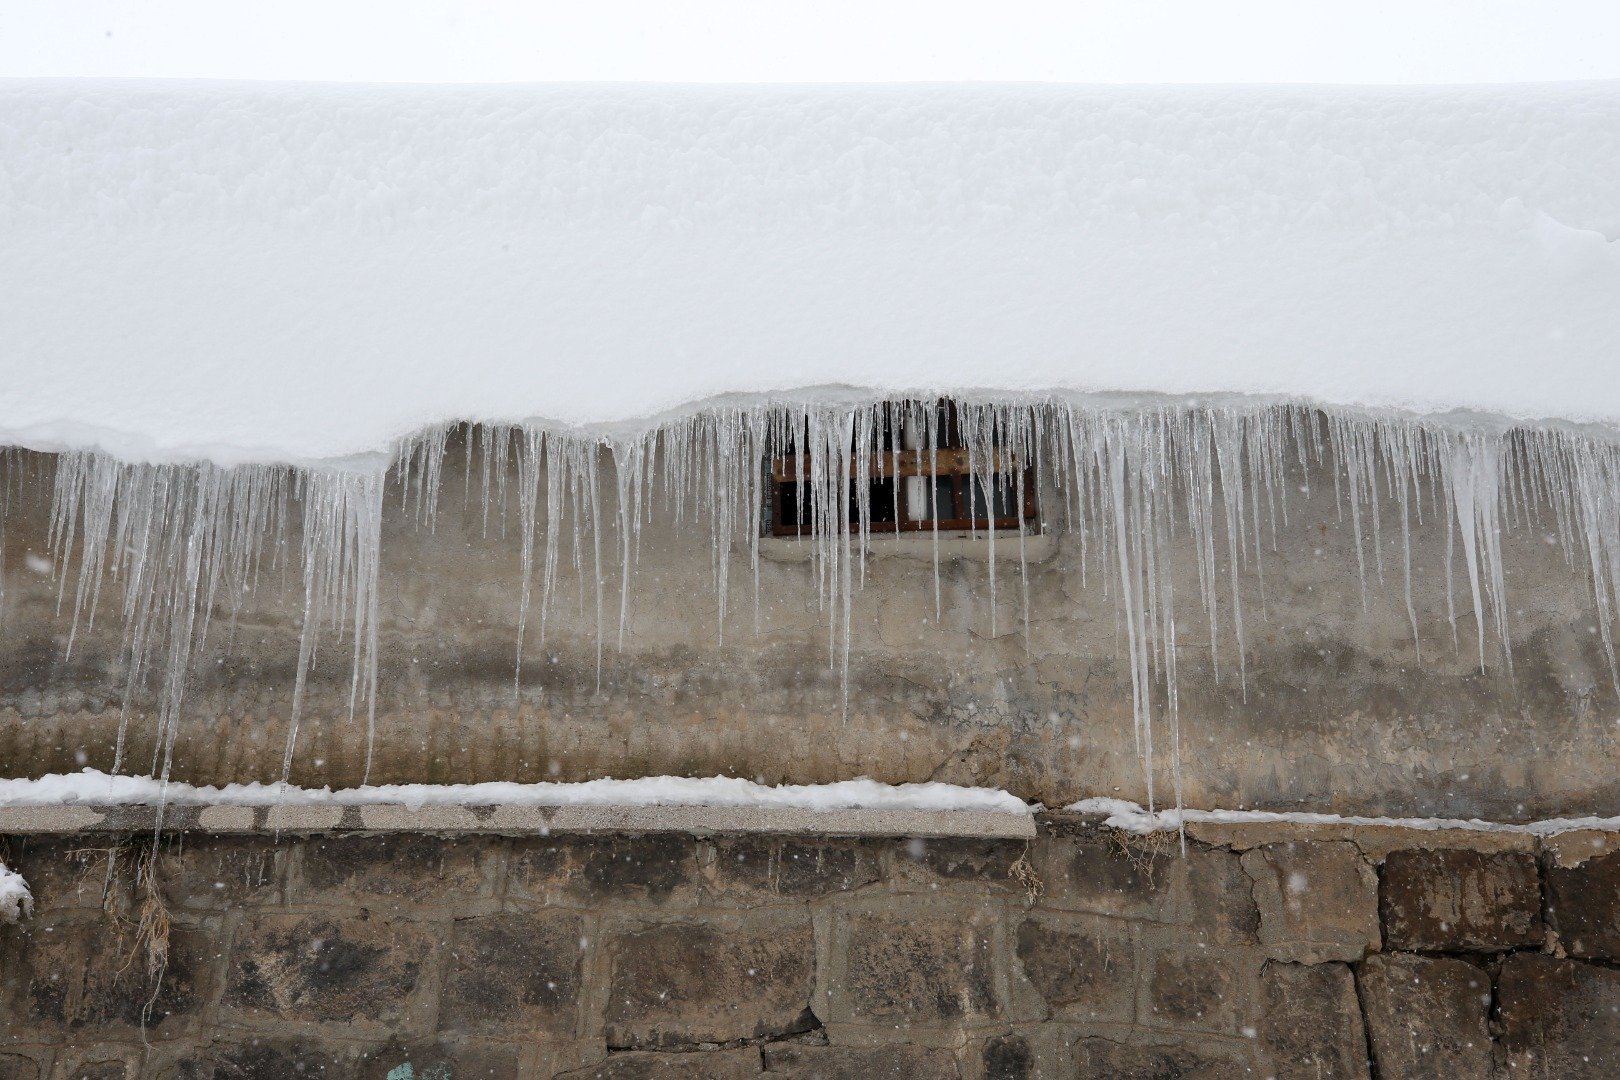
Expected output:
(432, 1072)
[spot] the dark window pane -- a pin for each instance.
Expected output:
(1004, 491)
(794, 514)
(880, 501)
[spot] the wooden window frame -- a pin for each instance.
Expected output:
(949, 461)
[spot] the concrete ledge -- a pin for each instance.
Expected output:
(511, 820)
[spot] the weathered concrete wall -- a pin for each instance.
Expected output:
(1265, 951)
(1336, 711)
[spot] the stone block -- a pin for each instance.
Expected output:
(765, 869)
(88, 977)
(393, 872)
(1083, 966)
(95, 1067)
(1583, 905)
(1103, 1059)
(1093, 869)
(1577, 845)
(17, 1067)
(1309, 1022)
(1220, 905)
(1374, 841)
(1558, 1018)
(797, 1061)
(62, 873)
(1453, 900)
(256, 1059)
(658, 868)
(691, 1065)
(210, 873)
(711, 980)
(1317, 901)
(935, 862)
(513, 974)
(1197, 988)
(1427, 1017)
(1006, 1057)
(916, 968)
(320, 968)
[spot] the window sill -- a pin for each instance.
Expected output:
(965, 546)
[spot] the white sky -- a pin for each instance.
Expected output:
(817, 40)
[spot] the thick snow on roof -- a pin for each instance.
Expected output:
(298, 272)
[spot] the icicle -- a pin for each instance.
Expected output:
(1473, 490)
(342, 541)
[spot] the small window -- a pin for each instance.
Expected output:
(913, 483)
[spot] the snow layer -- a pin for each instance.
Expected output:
(305, 272)
(92, 786)
(1129, 817)
(16, 902)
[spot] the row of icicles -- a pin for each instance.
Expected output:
(184, 544)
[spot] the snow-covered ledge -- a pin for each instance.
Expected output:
(95, 802)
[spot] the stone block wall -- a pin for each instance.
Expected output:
(1275, 951)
